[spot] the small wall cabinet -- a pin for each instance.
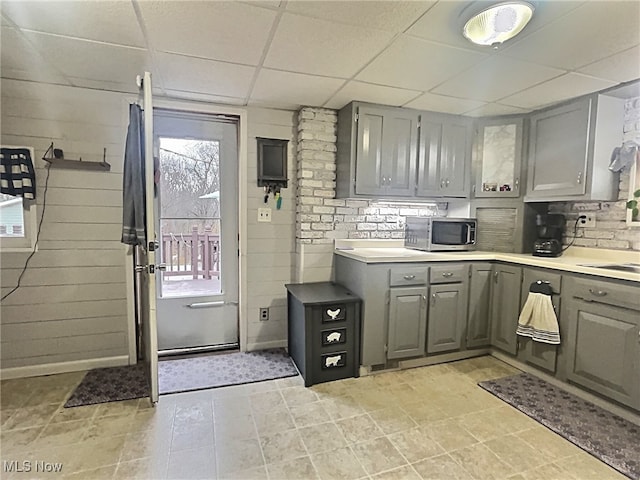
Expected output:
(570, 148)
(498, 157)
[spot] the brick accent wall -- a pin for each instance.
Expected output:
(611, 230)
(320, 217)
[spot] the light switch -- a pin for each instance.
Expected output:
(264, 214)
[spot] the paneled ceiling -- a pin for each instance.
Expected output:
(285, 54)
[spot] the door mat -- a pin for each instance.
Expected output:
(112, 384)
(221, 370)
(606, 436)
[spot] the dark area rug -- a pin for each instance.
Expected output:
(103, 385)
(220, 370)
(604, 435)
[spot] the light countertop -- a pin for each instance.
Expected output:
(574, 259)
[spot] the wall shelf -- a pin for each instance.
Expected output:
(56, 159)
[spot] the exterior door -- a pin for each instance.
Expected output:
(196, 196)
(145, 257)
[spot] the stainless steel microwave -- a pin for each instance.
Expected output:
(437, 234)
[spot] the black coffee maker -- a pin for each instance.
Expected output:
(550, 228)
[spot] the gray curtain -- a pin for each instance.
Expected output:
(134, 228)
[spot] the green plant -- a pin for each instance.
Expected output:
(633, 205)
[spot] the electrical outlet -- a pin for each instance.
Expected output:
(264, 214)
(264, 314)
(587, 221)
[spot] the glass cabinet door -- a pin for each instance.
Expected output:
(499, 155)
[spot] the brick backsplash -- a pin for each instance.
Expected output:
(321, 218)
(611, 229)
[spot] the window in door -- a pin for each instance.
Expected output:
(189, 194)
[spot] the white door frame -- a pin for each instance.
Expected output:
(210, 108)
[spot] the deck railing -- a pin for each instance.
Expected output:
(196, 255)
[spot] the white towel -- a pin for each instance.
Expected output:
(538, 319)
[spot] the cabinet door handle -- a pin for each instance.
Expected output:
(597, 293)
(447, 182)
(495, 277)
(433, 299)
(442, 184)
(447, 274)
(517, 183)
(579, 178)
(409, 277)
(424, 298)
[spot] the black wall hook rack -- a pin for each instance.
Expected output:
(55, 157)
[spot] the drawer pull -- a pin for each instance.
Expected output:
(409, 277)
(597, 293)
(333, 314)
(447, 274)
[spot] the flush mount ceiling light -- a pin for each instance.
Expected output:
(497, 23)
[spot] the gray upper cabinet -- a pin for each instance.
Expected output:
(570, 148)
(505, 307)
(377, 151)
(478, 320)
(444, 156)
(498, 157)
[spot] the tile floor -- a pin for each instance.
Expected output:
(424, 423)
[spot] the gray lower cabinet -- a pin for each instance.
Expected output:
(505, 307)
(542, 355)
(407, 322)
(478, 318)
(447, 317)
(602, 347)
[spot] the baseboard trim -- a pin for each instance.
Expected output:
(63, 367)
(578, 392)
(264, 345)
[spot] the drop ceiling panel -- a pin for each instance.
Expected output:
(367, 92)
(417, 64)
(204, 76)
(592, 32)
(20, 61)
(312, 46)
(390, 15)
(494, 109)
(621, 67)
(555, 90)
(293, 88)
(227, 31)
(445, 20)
(441, 103)
(495, 78)
(104, 20)
(83, 59)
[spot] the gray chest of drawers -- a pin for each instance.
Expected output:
(324, 331)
